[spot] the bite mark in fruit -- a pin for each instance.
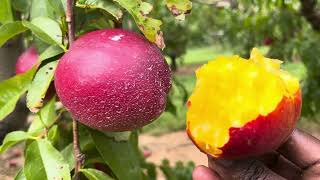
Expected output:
(242, 107)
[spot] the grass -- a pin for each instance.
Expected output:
(168, 122)
(203, 55)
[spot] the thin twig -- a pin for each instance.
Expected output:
(69, 20)
(79, 158)
(46, 130)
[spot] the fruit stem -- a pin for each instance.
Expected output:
(69, 20)
(78, 156)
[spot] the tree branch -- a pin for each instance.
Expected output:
(79, 158)
(309, 11)
(69, 20)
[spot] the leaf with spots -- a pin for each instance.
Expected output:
(40, 85)
(106, 5)
(44, 118)
(179, 8)
(148, 26)
(43, 161)
(68, 155)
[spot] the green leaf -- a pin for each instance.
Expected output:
(53, 135)
(5, 11)
(167, 170)
(50, 52)
(58, 6)
(67, 154)
(11, 90)
(119, 136)
(121, 156)
(14, 138)
(86, 142)
(93, 174)
(40, 85)
(9, 30)
(20, 175)
(44, 118)
(106, 5)
(21, 5)
(43, 161)
(41, 8)
(46, 29)
(179, 8)
(148, 26)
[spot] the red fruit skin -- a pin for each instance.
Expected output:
(27, 60)
(268, 41)
(113, 80)
(264, 134)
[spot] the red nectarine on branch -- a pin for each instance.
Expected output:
(113, 80)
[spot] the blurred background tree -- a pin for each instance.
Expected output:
(282, 29)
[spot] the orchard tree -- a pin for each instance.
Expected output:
(113, 81)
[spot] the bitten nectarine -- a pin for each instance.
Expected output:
(241, 107)
(113, 80)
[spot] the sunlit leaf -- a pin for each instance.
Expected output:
(149, 27)
(20, 175)
(93, 174)
(67, 153)
(9, 30)
(46, 29)
(179, 8)
(14, 138)
(44, 118)
(106, 5)
(43, 161)
(40, 85)
(5, 11)
(50, 52)
(11, 90)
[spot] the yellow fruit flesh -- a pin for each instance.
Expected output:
(231, 91)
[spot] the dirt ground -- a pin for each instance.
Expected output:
(174, 146)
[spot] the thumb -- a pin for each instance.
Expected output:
(242, 169)
(204, 173)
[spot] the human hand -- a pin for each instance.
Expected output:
(298, 158)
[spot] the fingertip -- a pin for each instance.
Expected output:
(204, 173)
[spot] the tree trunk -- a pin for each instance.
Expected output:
(8, 56)
(309, 11)
(173, 63)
